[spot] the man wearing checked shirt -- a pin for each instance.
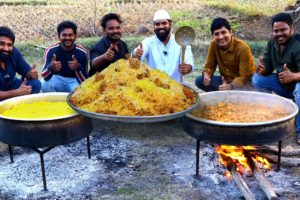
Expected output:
(161, 50)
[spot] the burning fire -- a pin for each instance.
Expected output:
(236, 155)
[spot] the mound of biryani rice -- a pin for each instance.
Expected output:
(131, 88)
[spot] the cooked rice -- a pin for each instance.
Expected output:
(131, 88)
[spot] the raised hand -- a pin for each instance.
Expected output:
(73, 64)
(286, 76)
(109, 55)
(260, 68)
(33, 73)
(225, 85)
(24, 89)
(139, 51)
(55, 65)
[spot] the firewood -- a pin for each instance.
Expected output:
(293, 162)
(240, 183)
(263, 183)
(287, 151)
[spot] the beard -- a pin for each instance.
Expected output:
(162, 36)
(4, 57)
(115, 38)
(66, 45)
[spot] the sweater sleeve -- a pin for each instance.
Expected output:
(22, 67)
(82, 72)
(46, 72)
(246, 67)
(211, 60)
(267, 58)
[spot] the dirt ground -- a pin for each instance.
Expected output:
(133, 161)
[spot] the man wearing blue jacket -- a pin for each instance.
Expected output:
(12, 63)
(65, 63)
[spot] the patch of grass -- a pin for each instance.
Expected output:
(250, 7)
(125, 191)
(23, 2)
(257, 47)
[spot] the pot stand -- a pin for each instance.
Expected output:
(41, 152)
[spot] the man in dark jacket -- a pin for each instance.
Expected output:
(282, 55)
(110, 48)
(11, 63)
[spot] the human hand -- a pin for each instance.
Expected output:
(225, 85)
(55, 65)
(286, 76)
(206, 79)
(139, 51)
(24, 89)
(73, 64)
(260, 68)
(33, 73)
(109, 55)
(185, 68)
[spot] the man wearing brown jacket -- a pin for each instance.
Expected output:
(233, 57)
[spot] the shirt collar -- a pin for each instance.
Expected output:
(231, 45)
(107, 43)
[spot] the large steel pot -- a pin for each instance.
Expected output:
(42, 132)
(241, 133)
(134, 119)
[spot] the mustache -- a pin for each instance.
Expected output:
(3, 51)
(161, 29)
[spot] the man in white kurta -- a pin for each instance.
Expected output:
(161, 51)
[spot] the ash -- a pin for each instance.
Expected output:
(131, 161)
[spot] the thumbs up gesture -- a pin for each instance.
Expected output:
(139, 51)
(33, 73)
(24, 89)
(260, 68)
(225, 85)
(55, 65)
(109, 55)
(286, 76)
(73, 64)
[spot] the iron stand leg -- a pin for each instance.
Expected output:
(41, 153)
(10, 151)
(88, 146)
(279, 155)
(197, 158)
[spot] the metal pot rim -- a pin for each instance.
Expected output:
(52, 95)
(134, 119)
(250, 124)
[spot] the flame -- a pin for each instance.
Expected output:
(235, 155)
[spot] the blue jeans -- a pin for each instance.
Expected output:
(35, 85)
(59, 84)
(215, 82)
(270, 83)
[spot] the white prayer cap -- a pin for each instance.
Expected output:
(161, 15)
